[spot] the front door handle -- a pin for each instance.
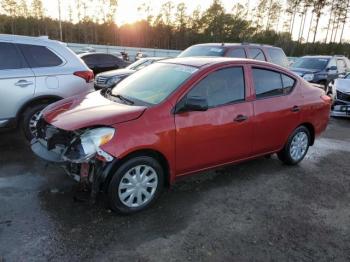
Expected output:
(240, 118)
(23, 83)
(295, 109)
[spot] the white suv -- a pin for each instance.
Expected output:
(34, 72)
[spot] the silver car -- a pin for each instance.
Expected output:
(339, 90)
(34, 72)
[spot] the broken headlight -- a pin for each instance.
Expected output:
(88, 144)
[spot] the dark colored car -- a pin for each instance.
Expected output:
(321, 69)
(101, 62)
(178, 117)
(111, 78)
(267, 53)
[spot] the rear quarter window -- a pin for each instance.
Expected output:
(257, 54)
(39, 56)
(278, 56)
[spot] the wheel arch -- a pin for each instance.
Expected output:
(311, 129)
(36, 101)
(142, 152)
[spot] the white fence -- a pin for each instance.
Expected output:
(132, 51)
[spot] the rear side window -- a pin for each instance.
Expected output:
(39, 56)
(257, 54)
(102, 58)
(221, 87)
(270, 83)
(278, 56)
(90, 59)
(10, 58)
(237, 52)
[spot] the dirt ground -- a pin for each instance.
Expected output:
(256, 211)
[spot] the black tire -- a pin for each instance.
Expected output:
(26, 118)
(115, 202)
(285, 154)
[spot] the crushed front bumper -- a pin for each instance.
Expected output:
(39, 148)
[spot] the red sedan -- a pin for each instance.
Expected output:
(178, 117)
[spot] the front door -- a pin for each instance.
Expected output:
(221, 134)
(17, 81)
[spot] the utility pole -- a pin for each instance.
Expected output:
(59, 19)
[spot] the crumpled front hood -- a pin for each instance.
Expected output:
(89, 110)
(342, 85)
(303, 71)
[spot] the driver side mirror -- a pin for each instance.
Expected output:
(332, 68)
(192, 104)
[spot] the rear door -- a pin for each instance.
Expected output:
(17, 81)
(221, 134)
(276, 108)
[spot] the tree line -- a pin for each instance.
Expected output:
(269, 22)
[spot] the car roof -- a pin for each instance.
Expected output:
(28, 39)
(210, 60)
(235, 44)
(318, 56)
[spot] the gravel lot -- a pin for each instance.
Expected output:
(256, 211)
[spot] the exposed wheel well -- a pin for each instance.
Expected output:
(311, 129)
(144, 152)
(37, 101)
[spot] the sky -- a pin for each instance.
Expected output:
(127, 12)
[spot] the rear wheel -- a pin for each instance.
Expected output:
(30, 119)
(296, 147)
(136, 185)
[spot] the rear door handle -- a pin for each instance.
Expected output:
(23, 83)
(240, 118)
(295, 109)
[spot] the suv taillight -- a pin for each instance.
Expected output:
(88, 76)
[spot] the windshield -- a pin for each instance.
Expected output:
(139, 64)
(203, 51)
(311, 63)
(154, 83)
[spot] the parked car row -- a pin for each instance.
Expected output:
(159, 119)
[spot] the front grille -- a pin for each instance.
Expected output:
(342, 96)
(101, 80)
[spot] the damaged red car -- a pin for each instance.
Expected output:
(178, 117)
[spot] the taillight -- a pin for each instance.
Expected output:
(88, 76)
(326, 98)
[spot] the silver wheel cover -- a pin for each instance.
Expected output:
(299, 146)
(138, 186)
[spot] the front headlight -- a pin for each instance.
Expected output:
(92, 139)
(309, 77)
(88, 144)
(113, 81)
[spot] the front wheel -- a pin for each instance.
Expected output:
(296, 147)
(30, 119)
(136, 185)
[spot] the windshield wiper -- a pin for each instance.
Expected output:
(124, 99)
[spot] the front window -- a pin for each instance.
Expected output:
(154, 83)
(203, 51)
(311, 63)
